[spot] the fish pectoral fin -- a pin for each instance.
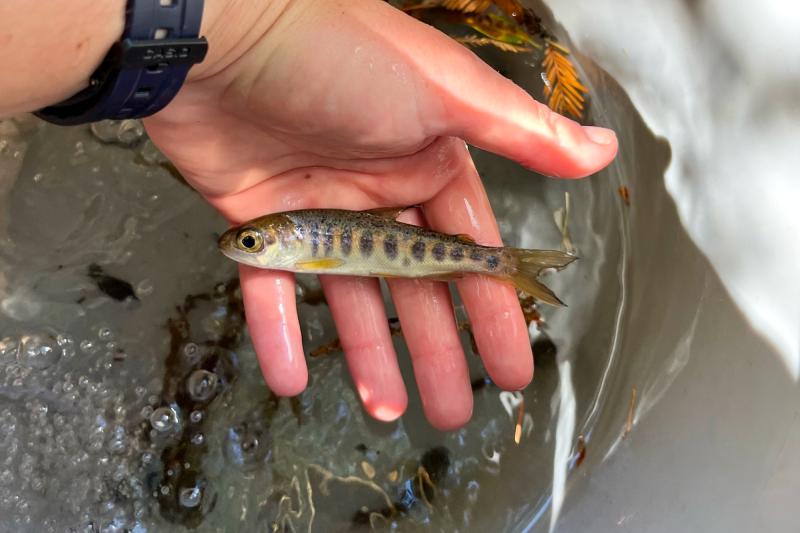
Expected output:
(390, 213)
(319, 264)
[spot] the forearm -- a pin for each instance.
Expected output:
(49, 48)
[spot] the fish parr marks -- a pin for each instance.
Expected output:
(347, 240)
(438, 251)
(418, 251)
(390, 246)
(365, 243)
(492, 261)
(327, 240)
(457, 253)
(314, 233)
(476, 255)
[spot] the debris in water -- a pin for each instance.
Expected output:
(520, 418)
(118, 289)
(561, 218)
(330, 347)
(368, 469)
(480, 383)
(436, 463)
(544, 350)
(625, 194)
(565, 93)
(631, 412)
(580, 453)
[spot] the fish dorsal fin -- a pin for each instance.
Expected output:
(390, 213)
(466, 239)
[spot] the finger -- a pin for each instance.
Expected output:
(430, 332)
(466, 98)
(498, 325)
(440, 369)
(271, 311)
(357, 308)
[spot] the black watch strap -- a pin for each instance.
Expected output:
(144, 71)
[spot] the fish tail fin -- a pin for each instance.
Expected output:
(528, 264)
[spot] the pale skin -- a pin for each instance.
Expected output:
(341, 104)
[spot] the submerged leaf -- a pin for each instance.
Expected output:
(563, 89)
(486, 41)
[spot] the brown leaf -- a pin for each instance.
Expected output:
(563, 89)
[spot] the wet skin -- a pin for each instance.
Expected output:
(272, 121)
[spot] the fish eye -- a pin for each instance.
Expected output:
(250, 240)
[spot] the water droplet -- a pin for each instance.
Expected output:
(146, 411)
(67, 344)
(37, 178)
(163, 419)
(191, 352)
(198, 439)
(38, 351)
(202, 385)
(8, 349)
(190, 496)
(196, 416)
(244, 446)
(105, 333)
(88, 347)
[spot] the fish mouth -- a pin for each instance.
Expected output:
(226, 243)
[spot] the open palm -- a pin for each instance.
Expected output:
(355, 105)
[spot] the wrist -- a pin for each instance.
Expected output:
(51, 50)
(232, 27)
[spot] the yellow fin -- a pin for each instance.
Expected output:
(387, 212)
(319, 264)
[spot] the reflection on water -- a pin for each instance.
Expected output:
(130, 397)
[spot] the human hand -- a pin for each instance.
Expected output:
(354, 105)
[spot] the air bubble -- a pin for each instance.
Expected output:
(105, 334)
(202, 385)
(163, 419)
(38, 351)
(198, 439)
(190, 497)
(191, 352)
(8, 349)
(88, 347)
(196, 417)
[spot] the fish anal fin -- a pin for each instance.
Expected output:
(440, 276)
(323, 263)
(390, 213)
(444, 276)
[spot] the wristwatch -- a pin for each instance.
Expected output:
(144, 70)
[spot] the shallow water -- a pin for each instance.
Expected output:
(130, 397)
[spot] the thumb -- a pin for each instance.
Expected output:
(470, 100)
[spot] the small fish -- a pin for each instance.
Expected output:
(372, 243)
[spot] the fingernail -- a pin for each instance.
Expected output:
(600, 135)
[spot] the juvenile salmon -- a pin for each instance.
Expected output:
(373, 243)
